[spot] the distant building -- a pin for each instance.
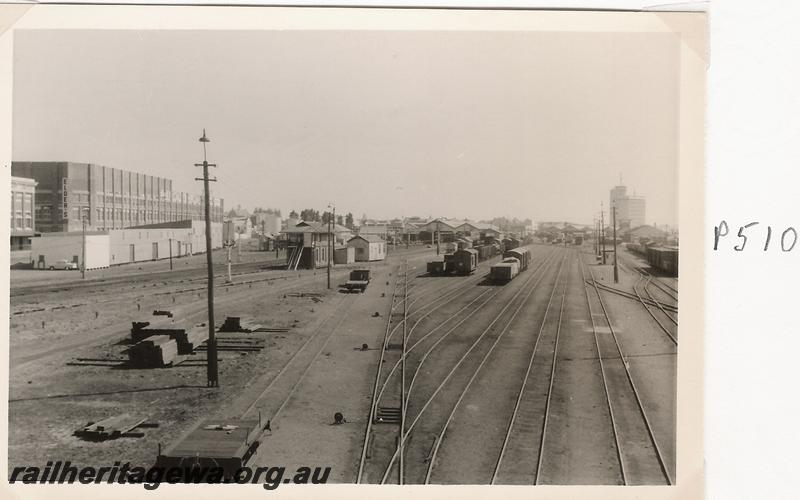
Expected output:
(23, 203)
(266, 223)
(124, 246)
(645, 233)
(308, 244)
(379, 230)
(631, 210)
(478, 230)
(446, 229)
(368, 247)
(108, 198)
(242, 227)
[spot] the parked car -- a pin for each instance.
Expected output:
(64, 264)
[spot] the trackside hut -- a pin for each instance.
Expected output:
(368, 247)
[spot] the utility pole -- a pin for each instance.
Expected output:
(603, 232)
(438, 237)
(83, 246)
(170, 254)
(211, 351)
(229, 263)
(614, 223)
(597, 237)
(331, 246)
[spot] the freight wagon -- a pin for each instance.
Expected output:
(436, 267)
(664, 259)
(504, 271)
(522, 254)
(486, 252)
(462, 262)
(510, 243)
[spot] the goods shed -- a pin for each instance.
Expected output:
(368, 247)
(52, 247)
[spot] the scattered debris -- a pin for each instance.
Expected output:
(338, 418)
(364, 347)
(123, 425)
(162, 313)
(376, 314)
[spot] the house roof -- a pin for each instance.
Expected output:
(646, 231)
(367, 237)
(372, 229)
(315, 227)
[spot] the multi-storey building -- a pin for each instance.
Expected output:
(23, 225)
(631, 210)
(107, 198)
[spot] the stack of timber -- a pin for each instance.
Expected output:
(156, 351)
(237, 324)
(231, 324)
(186, 338)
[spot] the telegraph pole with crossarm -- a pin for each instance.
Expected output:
(213, 379)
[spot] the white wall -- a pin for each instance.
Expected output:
(55, 248)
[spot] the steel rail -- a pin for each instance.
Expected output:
(440, 437)
(285, 367)
(657, 303)
(552, 378)
(457, 291)
(403, 379)
(451, 330)
(520, 393)
(614, 429)
(624, 362)
(434, 330)
(650, 312)
(441, 324)
(373, 403)
(629, 295)
(460, 361)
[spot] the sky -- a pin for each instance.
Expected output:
(462, 124)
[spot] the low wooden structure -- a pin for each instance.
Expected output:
(227, 442)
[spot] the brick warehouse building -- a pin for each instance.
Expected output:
(110, 198)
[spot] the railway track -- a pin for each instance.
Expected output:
(274, 398)
(520, 458)
(643, 279)
(193, 311)
(641, 460)
(392, 378)
(443, 390)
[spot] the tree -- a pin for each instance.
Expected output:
(348, 221)
(340, 220)
(294, 215)
(310, 215)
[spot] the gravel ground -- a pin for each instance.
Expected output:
(50, 397)
(302, 377)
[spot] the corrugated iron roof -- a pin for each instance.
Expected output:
(368, 237)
